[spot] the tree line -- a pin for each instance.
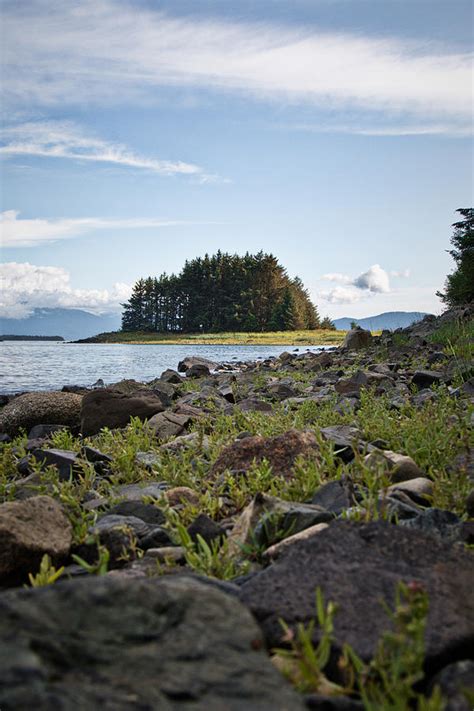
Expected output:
(223, 292)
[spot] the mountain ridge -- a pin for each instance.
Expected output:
(389, 320)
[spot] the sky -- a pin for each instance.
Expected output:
(134, 135)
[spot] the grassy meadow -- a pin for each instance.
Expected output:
(269, 338)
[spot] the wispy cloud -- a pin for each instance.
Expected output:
(17, 232)
(25, 287)
(103, 51)
(55, 139)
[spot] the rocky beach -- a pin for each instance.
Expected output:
(293, 533)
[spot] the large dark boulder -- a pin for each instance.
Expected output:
(358, 566)
(111, 408)
(357, 339)
(115, 643)
(187, 363)
(31, 409)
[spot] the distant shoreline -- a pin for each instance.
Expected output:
(31, 338)
(270, 338)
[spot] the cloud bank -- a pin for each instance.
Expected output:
(25, 287)
(102, 51)
(15, 232)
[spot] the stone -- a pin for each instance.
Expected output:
(147, 459)
(352, 385)
(205, 527)
(30, 529)
(182, 495)
(417, 489)
(30, 409)
(470, 504)
(66, 462)
(187, 363)
(436, 522)
(335, 496)
(357, 339)
(116, 643)
(400, 467)
(137, 492)
(4, 438)
(198, 370)
(168, 424)
(111, 408)
(456, 682)
(44, 431)
(267, 515)
(280, 451)
(346, 440)
(193, 439)
(426, 378)
(227, 393)
(252, 404)
(357, 566)
(167, 554)
(145, 512)
(280, 391)
(278, 548)
(171, 376)
(94, 455)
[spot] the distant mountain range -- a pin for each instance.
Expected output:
(390, 321)
(71, 324)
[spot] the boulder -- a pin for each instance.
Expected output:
(280, 451)
(116, 643)
(168, 424)
(352, 385)
(111, 408)
(198, 370)
(401, 468)
(357, 339)
(66, 462)
(346, 440)
(28, 530)
(188, 363)
(171, 376)
(358, 566)
(30, 409)
(252, 404)
(426, 378)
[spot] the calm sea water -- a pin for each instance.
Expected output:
(43, 365)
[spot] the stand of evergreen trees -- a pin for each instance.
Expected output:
(224, 292)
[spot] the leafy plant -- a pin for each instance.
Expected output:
(101, 565)
(47, 574)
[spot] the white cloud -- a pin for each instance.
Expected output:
(404, 274)
(102, 51)
(25, 287)
(56, 139)
(352, 290)
(375, 279)
(15, 232)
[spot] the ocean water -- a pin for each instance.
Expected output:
(46, 365)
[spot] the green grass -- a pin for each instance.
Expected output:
(290, 338)
(457, 337)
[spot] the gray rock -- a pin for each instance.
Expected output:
(118, 644)
(168, 424)
(171, 376)
(28, 530)
(335, 496)
(112, 408)
(357, 339)
(426, 378)
(136, 492)
(198, 370)
(146, 512)
(358, 566)
(252, 404)
(66, 462)
(44, 431)
(345, 440)
(94, 455)
(205, 527)
(187, 363)
(436, 522)
(454, 681)
(30, 409)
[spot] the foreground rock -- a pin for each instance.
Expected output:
(191, 361)
(26, 411)
(112, 408)
(280, 451)
(28, 530)
(147, 644)
(357, 339)
(358, 566)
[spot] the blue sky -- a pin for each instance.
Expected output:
(334, 133)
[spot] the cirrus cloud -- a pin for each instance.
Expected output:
(101, 51)
(16, 232)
